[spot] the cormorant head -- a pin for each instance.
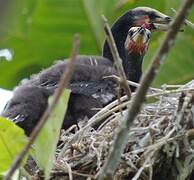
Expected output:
(137, 40)
(150, 18)
(156, 19)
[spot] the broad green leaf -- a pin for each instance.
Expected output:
(178, 66)
(45, 145)
(12, 141)
(94, 9)
(41, 32)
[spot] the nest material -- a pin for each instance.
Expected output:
(160, 143)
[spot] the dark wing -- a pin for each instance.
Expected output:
(87, 99)
(26, 107)
(89, 91)
(94, 61)
(104, 91)
(88, 69)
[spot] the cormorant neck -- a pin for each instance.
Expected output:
(132, 65)
(119, 30)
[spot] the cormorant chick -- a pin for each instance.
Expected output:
(26, 106)
(89, 87)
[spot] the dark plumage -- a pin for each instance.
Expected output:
(88, 69)
(89, 88)
(26, 106)
(31, 99)
(133, 18)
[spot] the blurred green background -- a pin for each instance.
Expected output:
(40, 31)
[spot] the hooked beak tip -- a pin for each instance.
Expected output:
(168, 19)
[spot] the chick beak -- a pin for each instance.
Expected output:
(139, 38)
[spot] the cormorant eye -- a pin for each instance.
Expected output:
(130, 33)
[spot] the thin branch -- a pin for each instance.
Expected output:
(139, 172)
(63, 83)
(181, 112)
(69, 171)
(122, 135)
(120, 4)
(131, 83)
(168, 86)
(116, 57)
(187, 22)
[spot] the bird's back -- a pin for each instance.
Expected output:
(89, 91)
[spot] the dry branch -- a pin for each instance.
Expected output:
(63, 83)
(116, 57)
(122, 135)
(134, 84)
(187, 22)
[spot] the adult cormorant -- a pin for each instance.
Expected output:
(89, 89)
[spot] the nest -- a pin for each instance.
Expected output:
(160, 143)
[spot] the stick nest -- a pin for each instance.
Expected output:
(160, 143)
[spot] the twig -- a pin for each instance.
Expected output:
(116, 57)
(120, 3)
(122, 135)
(63, 83)
(181, 112)
(187, 22)
(151, 172)
(148, 159)
(62, 167)
(150, 152)
(131, 83)
(158, 144)
(165, 86)
(69, 171)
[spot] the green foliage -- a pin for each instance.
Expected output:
(94, 17)
(45, 145)
(12, 141)
(41, 31)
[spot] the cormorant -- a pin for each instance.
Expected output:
(133, 18)
(89, 89)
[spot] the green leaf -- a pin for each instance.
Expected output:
(101, 7)
(41, 33)
(12, 141)
(45, 145)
